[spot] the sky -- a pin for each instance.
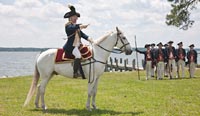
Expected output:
(40, 23)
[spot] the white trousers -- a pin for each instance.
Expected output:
(166, 69)
(160, 69)
(152, 71)
(172, 68)
(148, 69)
(192, 67)
(181, 65)
(76, 52)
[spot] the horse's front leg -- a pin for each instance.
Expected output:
(90, 86)
(94, 94)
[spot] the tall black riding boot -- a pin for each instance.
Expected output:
(81, 72)
(76, 67)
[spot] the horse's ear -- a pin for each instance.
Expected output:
(117, 29)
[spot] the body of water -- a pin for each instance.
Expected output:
(17, 63)
(14, 64)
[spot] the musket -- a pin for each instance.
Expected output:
(137, 59)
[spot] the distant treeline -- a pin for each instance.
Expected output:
(20, 49)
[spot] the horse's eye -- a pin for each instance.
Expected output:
(124, 38)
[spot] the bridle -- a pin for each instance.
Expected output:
(118, 38)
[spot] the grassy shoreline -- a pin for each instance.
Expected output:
(118, 94)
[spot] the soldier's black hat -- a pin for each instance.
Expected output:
(160, 44)
(192, 45)
(72, 12)
(147, 45)
(153, 44)
(166, 45)
(180, 43)
(170, 42)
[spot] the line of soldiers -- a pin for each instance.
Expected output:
(168, 61)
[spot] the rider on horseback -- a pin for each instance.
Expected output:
(74, 34)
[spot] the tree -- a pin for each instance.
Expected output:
(179, 15)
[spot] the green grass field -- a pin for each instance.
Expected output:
(118, 94)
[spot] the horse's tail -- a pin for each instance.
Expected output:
(33, 85)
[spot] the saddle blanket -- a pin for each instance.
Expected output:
(62, 57)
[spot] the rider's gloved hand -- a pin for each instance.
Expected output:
(83, 26)
(90, 40)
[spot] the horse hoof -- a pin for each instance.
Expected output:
(44, 108)
(37, 106)
(89, 109)
(94, 107)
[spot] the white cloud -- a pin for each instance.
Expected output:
(40, 23)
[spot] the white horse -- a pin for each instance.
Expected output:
(45, 67)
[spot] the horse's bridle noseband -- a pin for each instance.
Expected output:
(119, 38)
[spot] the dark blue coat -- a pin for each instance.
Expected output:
(164, 55)
(178, 53)
(173, 52)
(195, 56)
(70, 30)
(145, 55)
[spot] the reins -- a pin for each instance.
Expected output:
(94, 60)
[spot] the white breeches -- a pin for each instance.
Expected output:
(148, 69)
(160, 69)
(76, 52)
(192, 67)
(181, 65)
(166, 68)
(172, 68)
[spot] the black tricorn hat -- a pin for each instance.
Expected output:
(170, 42)
(192, 45)
(166, 45)
(153, 44)
(72, 12)
(180, 43)
(160, 44)
(147, 45)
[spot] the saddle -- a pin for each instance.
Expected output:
(62, 57)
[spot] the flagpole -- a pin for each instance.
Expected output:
(137, 59)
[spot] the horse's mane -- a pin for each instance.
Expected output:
(102, 38)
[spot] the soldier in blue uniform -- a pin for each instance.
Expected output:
(148, 56)
(153, 50)
(180, 59)
(171, 56)
(160, 57)
(192, 60)
(166, 61)
(74, 34)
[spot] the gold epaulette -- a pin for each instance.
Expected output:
(68, 23)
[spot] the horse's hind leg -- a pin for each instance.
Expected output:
(41, 91)
(37, 97)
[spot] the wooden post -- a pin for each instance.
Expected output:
(120, 63)
(116, 64)
(121, 60)
(111, 64)
(143, 64)
(106, 67)
(133, 64)
(125, 65)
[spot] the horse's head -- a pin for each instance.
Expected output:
(122, 43)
